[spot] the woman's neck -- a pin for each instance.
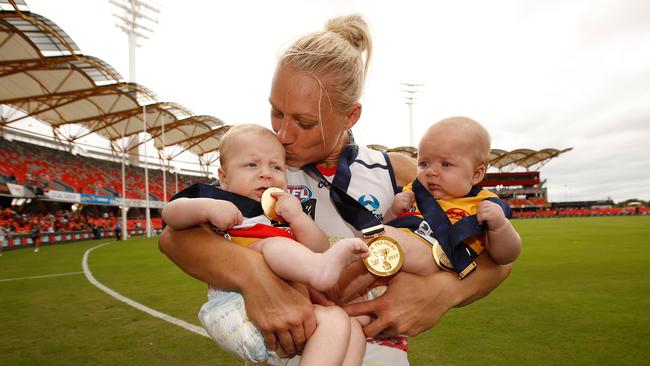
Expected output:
(332, 160)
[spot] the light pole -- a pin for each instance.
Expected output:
(411, 89)
(566, 193)
(137, 19)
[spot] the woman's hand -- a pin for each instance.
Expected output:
(413, 304)
(282, 312)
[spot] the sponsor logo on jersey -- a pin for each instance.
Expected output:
(456, 213)
(309, 207)
(369, 200)
(302, 192)
(371, 203)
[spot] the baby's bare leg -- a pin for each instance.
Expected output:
(356, 346)
(329, 343)
(295, 262)
(356, 279)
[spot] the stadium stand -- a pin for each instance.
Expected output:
(42, 167)
(65, 225)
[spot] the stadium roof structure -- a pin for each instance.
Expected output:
(499, 159)
(44, 74)
(524, 158)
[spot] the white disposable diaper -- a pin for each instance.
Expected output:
(224, 318)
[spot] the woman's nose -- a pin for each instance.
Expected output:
(285, 134)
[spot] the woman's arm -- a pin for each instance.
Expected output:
(404, 168)
(282, 313)
(415, 303)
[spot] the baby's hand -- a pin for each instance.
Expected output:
(224, 215)
(490, 213)
(402, 202)
(287, 206)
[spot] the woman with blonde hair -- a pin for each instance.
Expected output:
(314, 101)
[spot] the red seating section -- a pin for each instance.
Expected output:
(36, 165)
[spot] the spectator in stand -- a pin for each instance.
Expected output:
(35, 235)
(30, 183)
(3, 234)
(96, 232)
(118, 230)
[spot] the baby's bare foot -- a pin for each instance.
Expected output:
(335, 260)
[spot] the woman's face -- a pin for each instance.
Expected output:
(295, 118)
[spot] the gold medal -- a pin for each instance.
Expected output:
(268, 204)
(386, 256)
(441, 259)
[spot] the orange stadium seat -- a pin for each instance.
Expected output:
(65, 171)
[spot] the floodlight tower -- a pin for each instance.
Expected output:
(411, 89)
(136, 18)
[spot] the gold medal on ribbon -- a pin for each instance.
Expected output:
(268, 204)
(441, 259)
(386, 256)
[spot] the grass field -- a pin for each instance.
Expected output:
(578, 295)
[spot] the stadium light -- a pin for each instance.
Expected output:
(411, 90)
(137, 20)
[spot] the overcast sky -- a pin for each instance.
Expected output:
(537, 74)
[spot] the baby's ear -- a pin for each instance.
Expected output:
(222, 178)
(479, 173)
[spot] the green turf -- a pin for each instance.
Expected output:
(577, 296)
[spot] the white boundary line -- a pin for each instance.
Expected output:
(155, 313)
(42, 276)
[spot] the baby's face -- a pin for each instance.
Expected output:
(258, 164)
(445, 166)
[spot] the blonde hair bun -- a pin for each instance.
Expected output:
(353, 28)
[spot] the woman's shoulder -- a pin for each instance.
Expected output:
(405, 168)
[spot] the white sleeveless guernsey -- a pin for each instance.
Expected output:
(372, 184)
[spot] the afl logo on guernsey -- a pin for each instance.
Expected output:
(302, 192)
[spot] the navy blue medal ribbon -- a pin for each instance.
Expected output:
(450, 237)
(247, 206)
(353, 212)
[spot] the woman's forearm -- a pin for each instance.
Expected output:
(274, 306)
(487, 277)
(211, 258)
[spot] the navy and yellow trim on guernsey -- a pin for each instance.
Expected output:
(460, 234)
